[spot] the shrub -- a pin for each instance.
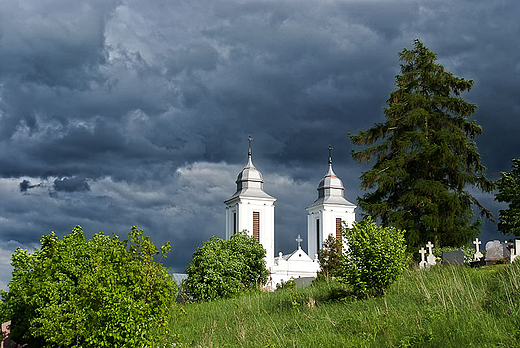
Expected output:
(466, 249)
(375, 257)
(290, 284)
(100, 293)
(329, 256)
(224, 268)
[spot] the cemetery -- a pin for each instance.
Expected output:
(496, 252)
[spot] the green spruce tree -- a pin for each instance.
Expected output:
(509, 192)
(425, 156)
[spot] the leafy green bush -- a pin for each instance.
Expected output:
(509, 192)
(466, 249)
(329, 256)
(224, 268)
(100, 293)
(375, 257)
(290, 284)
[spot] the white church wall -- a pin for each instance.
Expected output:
(312, 239)
(244, 209)
(294, 266)
(327, 214)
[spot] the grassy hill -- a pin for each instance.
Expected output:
(439, 307)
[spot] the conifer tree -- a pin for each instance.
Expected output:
(509, 192)
(425, 155)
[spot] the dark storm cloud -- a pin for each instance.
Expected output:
(130, 112)
(26, 185)
(71, 184)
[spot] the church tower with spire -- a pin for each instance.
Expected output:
(329, 210)
(251, 208)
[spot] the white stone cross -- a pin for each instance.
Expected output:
(431, 257)
(299, 240)
(423, 263)
(478, 254)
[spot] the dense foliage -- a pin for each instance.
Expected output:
(374, 259)
(509, 192)
(223, 268)
(425, 156)
(469, 252)
(329, 256)
(103, 292)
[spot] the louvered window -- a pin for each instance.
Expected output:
(338, 228)
(256, 225)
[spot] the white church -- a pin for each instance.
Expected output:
(250, 208)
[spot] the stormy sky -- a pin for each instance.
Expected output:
(121, 113)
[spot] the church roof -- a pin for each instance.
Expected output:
(250, 182)
(299, 255)
(330, 189)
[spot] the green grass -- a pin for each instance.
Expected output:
(439, 307)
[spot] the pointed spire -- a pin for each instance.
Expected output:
(250, 181)
(330, 188)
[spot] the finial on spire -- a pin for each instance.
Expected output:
(250, 140)
(330, 154)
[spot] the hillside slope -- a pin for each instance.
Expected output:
(439, 307)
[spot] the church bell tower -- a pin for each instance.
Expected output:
(329, 210)
(250, 208)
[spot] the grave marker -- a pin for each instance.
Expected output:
(455, 257)
(423, 263)
(516, 251)
(431, 258)
(496, 252)
(478, 255)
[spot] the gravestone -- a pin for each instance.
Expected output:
(478, 255)
(516, 251)
(303, 282)
(496, 252)
(430, 258)
(423, 263)
(455, 257)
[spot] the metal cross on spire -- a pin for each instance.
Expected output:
(330, 154)
(299, 240)
(250, 140)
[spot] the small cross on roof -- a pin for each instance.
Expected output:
(299, 240)
(250, 140)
